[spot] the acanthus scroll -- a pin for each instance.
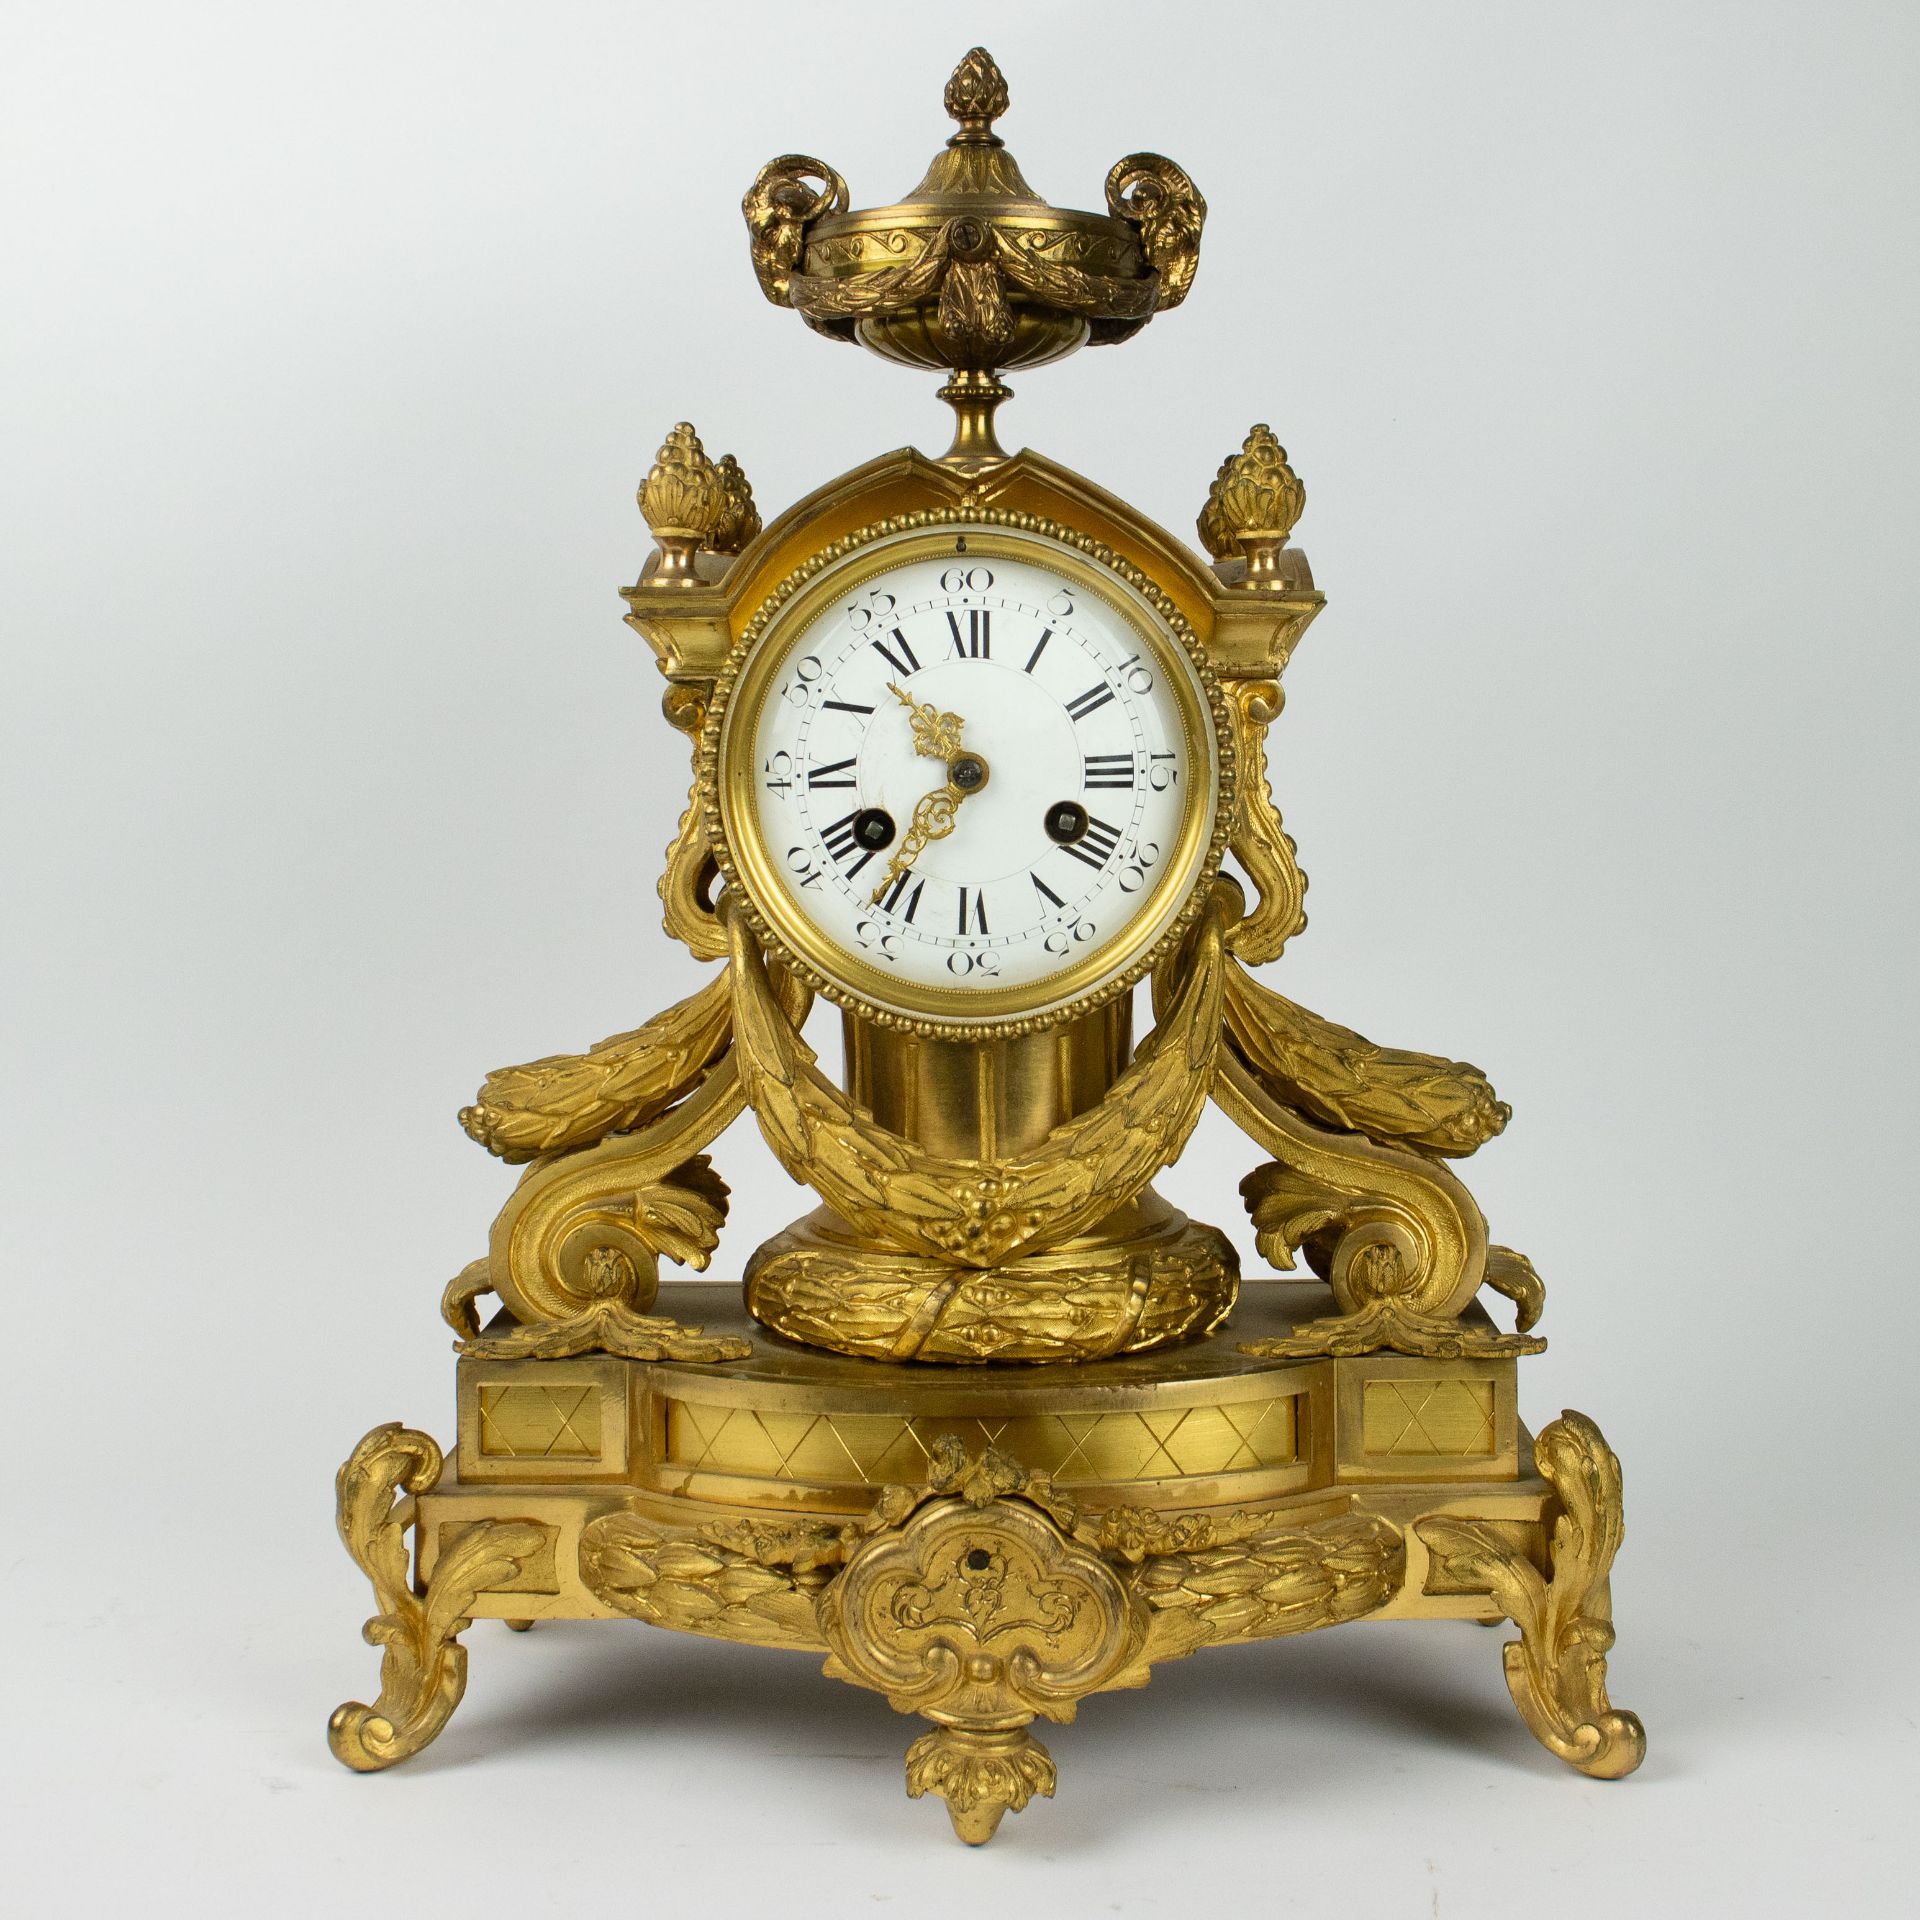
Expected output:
(1557, 1669)
(423, 1668)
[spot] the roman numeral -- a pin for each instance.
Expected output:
(1109, 770)
(819, 776)
(890, 901)
(978, 914)
(977, 642)
(1044, 891)
(903, 662)
(1039, 647)
(1095, 697)
(846, 706)
(1096, 843)
(840, 840)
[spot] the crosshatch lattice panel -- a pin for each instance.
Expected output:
(521, 1421)
(1439, 1417)
(875, 1449)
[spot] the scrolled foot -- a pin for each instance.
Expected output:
(423, 1668)
(1557, 1669)
(982, 1774)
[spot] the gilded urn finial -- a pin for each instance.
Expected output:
(1252, 506)
(973, 271)
(976, 96)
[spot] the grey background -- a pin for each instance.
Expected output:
(336, 340)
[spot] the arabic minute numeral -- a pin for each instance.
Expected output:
(799, 689)
(779, 772)
(961, 962)
(1133, 875)
(966, 580)
(1162, 771)
(877, 605)
(801, 863)
(1063, 939)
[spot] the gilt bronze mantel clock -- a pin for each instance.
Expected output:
(978, 751)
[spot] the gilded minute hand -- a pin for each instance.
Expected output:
(932, 820)
(936, 736)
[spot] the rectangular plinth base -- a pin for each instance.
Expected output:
(792, 1433)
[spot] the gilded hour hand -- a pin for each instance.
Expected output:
(936, 735)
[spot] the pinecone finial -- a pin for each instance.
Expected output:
(683, 499)
(977, 96)
(1252, 506)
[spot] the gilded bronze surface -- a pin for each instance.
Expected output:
(1557, 1669)
(993, 1429)
(1006, 1545)
(423, 1667)
(1112, 1292)
(973, 271)
(727, 775)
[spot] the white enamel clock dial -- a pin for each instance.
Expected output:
(979, 775)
